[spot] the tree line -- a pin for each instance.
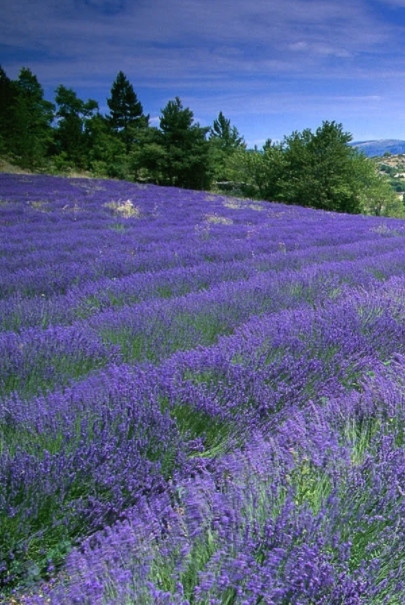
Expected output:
(317, 169)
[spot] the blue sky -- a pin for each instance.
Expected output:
(271, 66)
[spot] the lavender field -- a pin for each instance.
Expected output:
(202, 399)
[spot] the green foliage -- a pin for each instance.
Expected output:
(73, 115)
(398, 186)
(319, 171)
(184, 149)
(224, 142)
(390, 170)
(25, 123)
(176, 154)
(376, 195)
(149, 158)
(126, 112)
(227, 138)
(7, 99)
(106, 152)
(258, 174)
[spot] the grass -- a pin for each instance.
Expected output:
(214, 434)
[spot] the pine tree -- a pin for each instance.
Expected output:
(32, 116)
(224, 141)
(73, 114)
(7, 99)
(126, 112)
(227, 137)
(187, 162)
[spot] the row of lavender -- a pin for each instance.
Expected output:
(201, 399)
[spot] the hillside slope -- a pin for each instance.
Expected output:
(202, 399)
(380, 147)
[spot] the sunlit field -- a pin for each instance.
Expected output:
(202, 399)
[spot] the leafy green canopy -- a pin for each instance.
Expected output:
(318, 170)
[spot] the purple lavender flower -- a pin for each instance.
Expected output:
(201, 399)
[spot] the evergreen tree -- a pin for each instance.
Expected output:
(224, 141)
(71, 135)
(187, 162)
(126, 112)
(149, 158)
(106, 152)
(227, 137)
(7, 99)
(30, 132)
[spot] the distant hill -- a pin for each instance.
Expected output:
(379, 147)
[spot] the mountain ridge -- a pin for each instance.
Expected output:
(378, 147)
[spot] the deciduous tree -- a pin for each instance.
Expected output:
(319, 169)
(257, 174)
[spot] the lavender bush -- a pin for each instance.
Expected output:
(202, 399)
